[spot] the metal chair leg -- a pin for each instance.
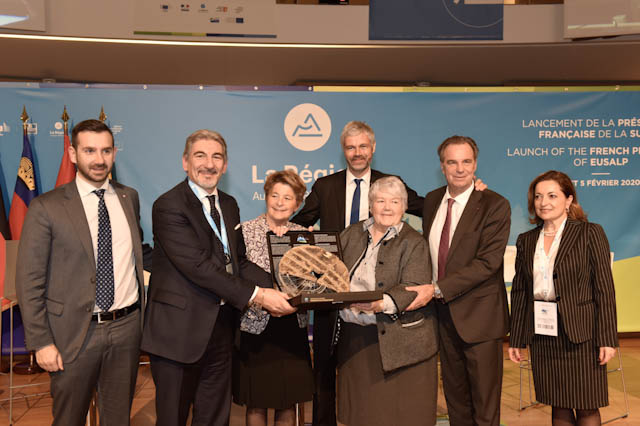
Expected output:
(624, 390)
(526, 365)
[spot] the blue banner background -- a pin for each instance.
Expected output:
(151, 126)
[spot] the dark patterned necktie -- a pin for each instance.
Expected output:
(443, 249)
(355, 204)
(216, 218)
(104, 265)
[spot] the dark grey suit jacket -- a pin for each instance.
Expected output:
(473, 285)
(326, 202)
(56, 270)
(583, 282)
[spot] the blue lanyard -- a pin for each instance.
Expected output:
(222, 237)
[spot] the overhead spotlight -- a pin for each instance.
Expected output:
(12, 11)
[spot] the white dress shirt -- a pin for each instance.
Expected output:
(364, 277)
(543, 264)
(202, 195)
(460, 202)
(364, 196)
(124, 269)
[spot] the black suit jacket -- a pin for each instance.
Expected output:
(326, 202)
(583, 282)
(189, 277)
(473, 284)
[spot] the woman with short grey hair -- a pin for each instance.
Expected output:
(387, 370)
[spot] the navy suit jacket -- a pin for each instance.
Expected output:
(189, 277)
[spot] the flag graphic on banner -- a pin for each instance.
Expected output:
(26, 189)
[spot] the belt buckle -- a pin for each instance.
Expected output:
(101, 321)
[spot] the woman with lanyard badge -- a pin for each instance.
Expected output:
(563, 303)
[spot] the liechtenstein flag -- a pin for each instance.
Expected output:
(26, 189)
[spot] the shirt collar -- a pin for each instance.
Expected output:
(200, 192)
(365, 178)
(85, 188)
(462, 198)
(392, 231)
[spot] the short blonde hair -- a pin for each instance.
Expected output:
(354, 128)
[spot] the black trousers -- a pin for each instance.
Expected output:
(205, 384)
(324, 370)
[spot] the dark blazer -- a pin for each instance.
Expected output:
(401, 263)
(473, 285)
(583, 282)
(326, 202)
(56, 270)
(189, 277)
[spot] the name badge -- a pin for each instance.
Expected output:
(545, 317)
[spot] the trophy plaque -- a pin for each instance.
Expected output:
(308, 266)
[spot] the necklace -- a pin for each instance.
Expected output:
(549, 233)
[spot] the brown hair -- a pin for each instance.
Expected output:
(566, 186)
(204, 134)
(90, 125)
(457, 140)
(286, 177)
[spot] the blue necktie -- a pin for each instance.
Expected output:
(104, 265)
(355, 204)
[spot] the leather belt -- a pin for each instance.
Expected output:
(102, 317)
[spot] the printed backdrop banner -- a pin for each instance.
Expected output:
(592, 134)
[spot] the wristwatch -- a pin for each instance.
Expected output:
(436, 291)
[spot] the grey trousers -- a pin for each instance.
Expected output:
(108, 362)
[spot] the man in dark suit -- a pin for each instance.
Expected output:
(200, 275)
(80, 284)
(467, 231)
(339, 200)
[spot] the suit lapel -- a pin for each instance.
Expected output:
(529, 249)
(431, 207)
(340, 193)
(375, 175)
(570, 235)
(195, 208)
(127, 207)
(227, 213)
(77, 216)
(466, 220)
